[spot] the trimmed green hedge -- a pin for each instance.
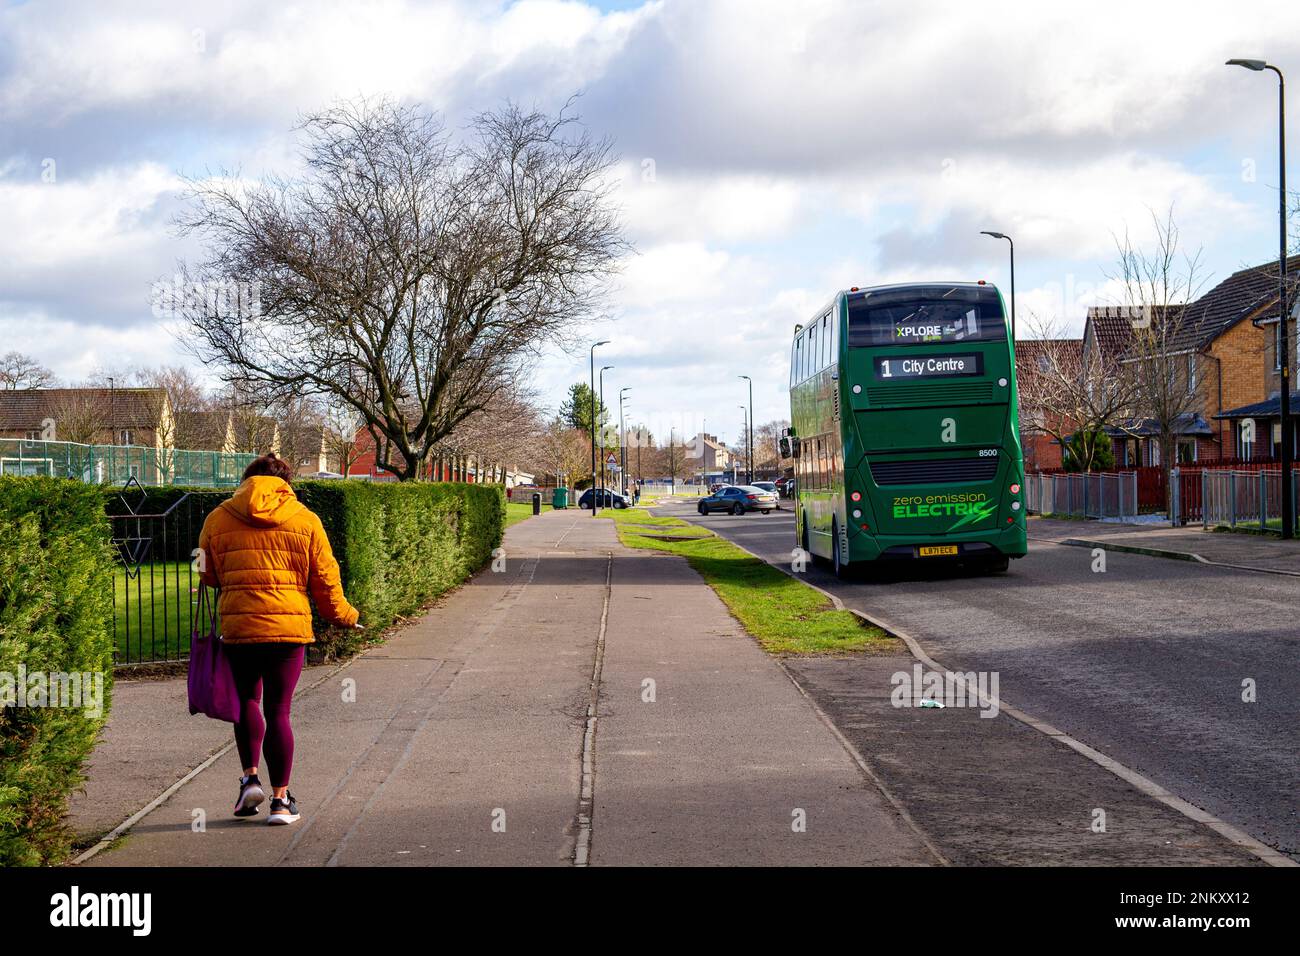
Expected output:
(56, 580)
(402, 545)
(399, 545)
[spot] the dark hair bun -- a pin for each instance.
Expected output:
(271, 465)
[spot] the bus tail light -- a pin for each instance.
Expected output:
(1015, 489)
(856, 496)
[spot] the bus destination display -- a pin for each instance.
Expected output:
(929, 366)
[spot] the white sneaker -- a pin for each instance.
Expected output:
(284, 811)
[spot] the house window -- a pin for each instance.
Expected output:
(124, 437)
(1277, 347)
(1246, 439)
(33, 434)
(1186, 451)
(1191, 372)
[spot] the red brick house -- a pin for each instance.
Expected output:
(1252, 422)
(1225, 338)
(89, 416)
(1033, 357)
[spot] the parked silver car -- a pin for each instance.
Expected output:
(737, 499)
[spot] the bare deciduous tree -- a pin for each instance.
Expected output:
(254, 422)
(341, 424)
(22, 371)
(767, 450)
(503, 434)
(82, 416)
(565, 452)
(405, 274)
(672, 459)
(1064, 393)
(1156, 285)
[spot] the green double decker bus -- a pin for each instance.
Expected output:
(904, 428)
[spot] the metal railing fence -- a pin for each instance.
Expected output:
(1082, 494)
(117, 464)
(1250, 499)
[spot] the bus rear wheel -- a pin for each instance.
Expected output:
(997, 565)
(837, 563)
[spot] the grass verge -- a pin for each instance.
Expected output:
(785, 616)
(517, 512)
(151, 610)
(1272, 530)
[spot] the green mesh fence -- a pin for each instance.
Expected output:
(114, 464)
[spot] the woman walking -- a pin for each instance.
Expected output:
(267, 553)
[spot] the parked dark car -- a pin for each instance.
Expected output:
(786, 487)
(738, 499)
(608, 499)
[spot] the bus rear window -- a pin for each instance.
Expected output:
(919, 315)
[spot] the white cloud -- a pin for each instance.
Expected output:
(725, 207)
(795, 149)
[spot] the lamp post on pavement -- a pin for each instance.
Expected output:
(1001, 235)
(749, 478)
(640, 440)
(1284, 349)
(749, 417)
(593, 425)
(601, 379)
(622, 439)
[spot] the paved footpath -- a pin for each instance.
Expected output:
(469, 735)
(1232, 549)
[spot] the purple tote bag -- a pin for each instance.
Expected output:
(211, 681)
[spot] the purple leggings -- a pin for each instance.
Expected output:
(273, 668)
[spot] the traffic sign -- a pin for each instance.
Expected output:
(612, 459)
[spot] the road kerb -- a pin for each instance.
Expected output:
(1175, 555)
(1142, 783)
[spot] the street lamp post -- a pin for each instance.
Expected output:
(1001, 235)
(601, 379)
(1284, 363)
(594, 496)
(749, 474)
(622, 439)
(672, 460)
(750, 419)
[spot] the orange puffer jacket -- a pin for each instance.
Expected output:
(267, 552)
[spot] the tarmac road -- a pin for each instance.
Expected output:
(1144, 662)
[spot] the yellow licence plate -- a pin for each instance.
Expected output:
(938, 550)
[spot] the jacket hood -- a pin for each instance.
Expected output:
(264, 501)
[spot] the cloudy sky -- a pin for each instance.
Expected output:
(772, 153)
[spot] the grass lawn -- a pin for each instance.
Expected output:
(1272, 529)
(784, 615)
(152, 611)
(517, 512)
